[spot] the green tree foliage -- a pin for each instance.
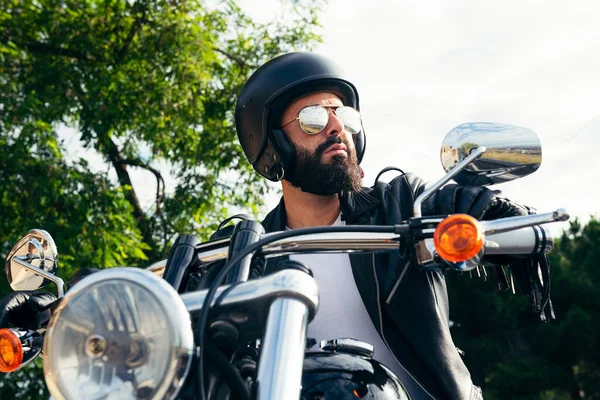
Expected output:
(510, 353)
(144, 83)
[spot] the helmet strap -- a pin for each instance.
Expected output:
(284, 147)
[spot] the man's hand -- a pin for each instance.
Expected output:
(28, 309)
(25, 310)
(531, 273)
(477, 201)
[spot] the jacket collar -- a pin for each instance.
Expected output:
(356, 204)
(353, 205)
(275, 219)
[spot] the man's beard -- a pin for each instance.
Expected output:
(311, 175)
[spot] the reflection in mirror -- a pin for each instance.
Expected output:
(512, 152)
(37, 248)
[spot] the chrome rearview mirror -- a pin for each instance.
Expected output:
(32, 262)
(512, 152)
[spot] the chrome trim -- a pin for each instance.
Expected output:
(546, 239)
(348, 345)
(60, 284)
(561, 215)
(425, 251)
(513, 223)
(451, 174)
(44, 250)
(281, 359)
(214, 250)
(174, 313)
(432, 221)
(214, 255)
(334, 242)
(533, 239)
(513, 152)
(291, 298)
(289, 283)
(158, 268)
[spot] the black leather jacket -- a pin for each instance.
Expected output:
(409, 308)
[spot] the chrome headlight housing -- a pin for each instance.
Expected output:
(121, 333)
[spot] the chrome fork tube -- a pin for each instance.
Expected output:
(282, 350)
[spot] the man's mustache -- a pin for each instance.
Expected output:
(327, 144)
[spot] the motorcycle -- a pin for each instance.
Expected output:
(193, 326)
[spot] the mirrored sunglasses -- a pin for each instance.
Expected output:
(313, 119)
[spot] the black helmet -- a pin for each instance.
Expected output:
(266, 95)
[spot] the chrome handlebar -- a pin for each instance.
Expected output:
(514, 235)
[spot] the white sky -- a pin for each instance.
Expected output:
(424, 67)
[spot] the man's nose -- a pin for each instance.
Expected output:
(335, 127)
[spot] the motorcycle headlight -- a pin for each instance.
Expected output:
(121, 333)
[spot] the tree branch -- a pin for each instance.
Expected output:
(120, 166)
(125, 180)
(135, 27)
(159, 179)
(235, 58)
(160, 193)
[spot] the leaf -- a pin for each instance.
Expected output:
(128, 76)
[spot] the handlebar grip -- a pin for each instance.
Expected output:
(531, 240)
(245, 233)
(180, 258)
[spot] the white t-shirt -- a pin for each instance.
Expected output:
(342, 313)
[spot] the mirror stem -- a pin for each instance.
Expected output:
(432, 189)
(60, 284)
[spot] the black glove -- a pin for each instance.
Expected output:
(25, 310)
(477, 201)
(531, 273)
(28, 309)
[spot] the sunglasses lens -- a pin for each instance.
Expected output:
(351, 119)
(313, 119)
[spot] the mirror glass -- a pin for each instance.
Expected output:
(38, 249)
(512, 152)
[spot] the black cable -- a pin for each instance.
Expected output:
(230, 374)
(387, 169)
(203, 318)
(241, 216)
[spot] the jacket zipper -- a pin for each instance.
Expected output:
(397, 284)
(381, 327)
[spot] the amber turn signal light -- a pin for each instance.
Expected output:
(11, 351)
(458, 238)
